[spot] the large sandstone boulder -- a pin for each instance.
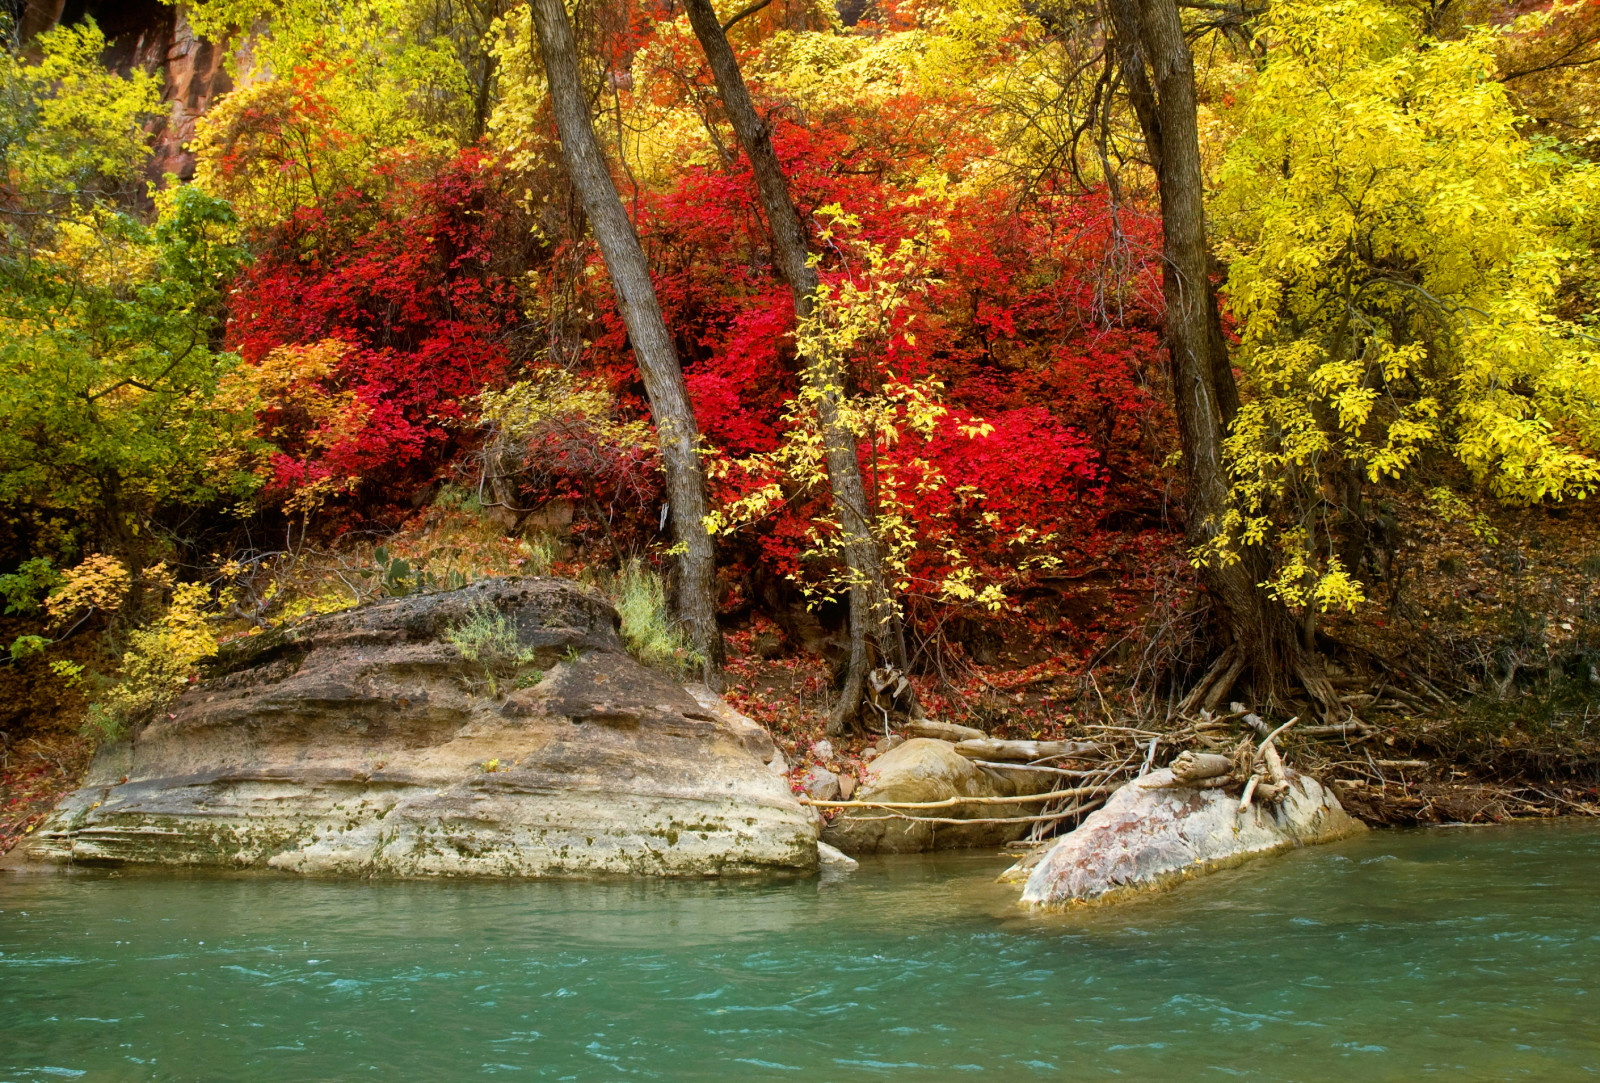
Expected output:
(925, 769)
(1152, 833)
(362, 743)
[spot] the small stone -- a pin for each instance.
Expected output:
(820, 784)
(778, 765)
(884, 745)
(834, 859)
(847, 786)
(822, 751)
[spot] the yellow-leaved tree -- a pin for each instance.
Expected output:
(1395, 249)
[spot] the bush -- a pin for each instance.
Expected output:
(649, 631)
(488, 641)
(158, 664)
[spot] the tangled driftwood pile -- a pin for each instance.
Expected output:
(1028, 792)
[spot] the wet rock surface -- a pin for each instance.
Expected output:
(1154, 832)
(361, 743)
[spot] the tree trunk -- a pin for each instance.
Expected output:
(875, 636)
(647, 331)
(1158, 69)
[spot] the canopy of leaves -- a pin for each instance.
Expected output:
(1396, 249)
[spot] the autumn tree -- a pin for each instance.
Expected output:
(652, 343)
(110, 326)
(875, 636)
(1398, 259)
(1157, 68)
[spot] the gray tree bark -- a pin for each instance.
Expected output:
(875, 634)
(1158, 70)
(647, 331)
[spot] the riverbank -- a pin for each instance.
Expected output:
(1422, 769)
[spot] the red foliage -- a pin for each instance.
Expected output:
(1039, 322)
(420, 284)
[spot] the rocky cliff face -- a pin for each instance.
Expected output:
(362, 743)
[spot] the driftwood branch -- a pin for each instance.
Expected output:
(952, 802)
(1249, 792)
(1061, 771)
(1046, 818)
(1025, 751)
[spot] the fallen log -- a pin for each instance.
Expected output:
(951, 802)
(1049, 816)
(991, 748)
(943, 731)
(1062, 771)
(1194, 766)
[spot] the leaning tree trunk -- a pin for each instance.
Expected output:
(875, 635)
(647, 331)
(1158, 69)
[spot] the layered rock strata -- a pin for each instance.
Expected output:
(363, 744)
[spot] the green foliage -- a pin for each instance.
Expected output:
(649, 631)
(24, 588)
(488, 640)
(397, 577)
(106, 366)
(397, 78)
(1396, 248)
(70, 131)
(107, 325)
(27, 646)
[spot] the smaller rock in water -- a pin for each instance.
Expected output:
(834, 859)
(820, 784)
(1155, 831)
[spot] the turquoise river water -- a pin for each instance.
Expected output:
(1468, 954)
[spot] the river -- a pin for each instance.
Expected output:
(1464, 954)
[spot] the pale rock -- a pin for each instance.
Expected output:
(822, 751)
(819, 783)
(834, 859)
(361, 744)
(1151, 834)
(926, 769)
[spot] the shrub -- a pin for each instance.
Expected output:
(488, 640)
(649, 631)
(158, 664)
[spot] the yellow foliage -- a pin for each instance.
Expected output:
(158, 663)
(99, 583)
(1395, 248)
